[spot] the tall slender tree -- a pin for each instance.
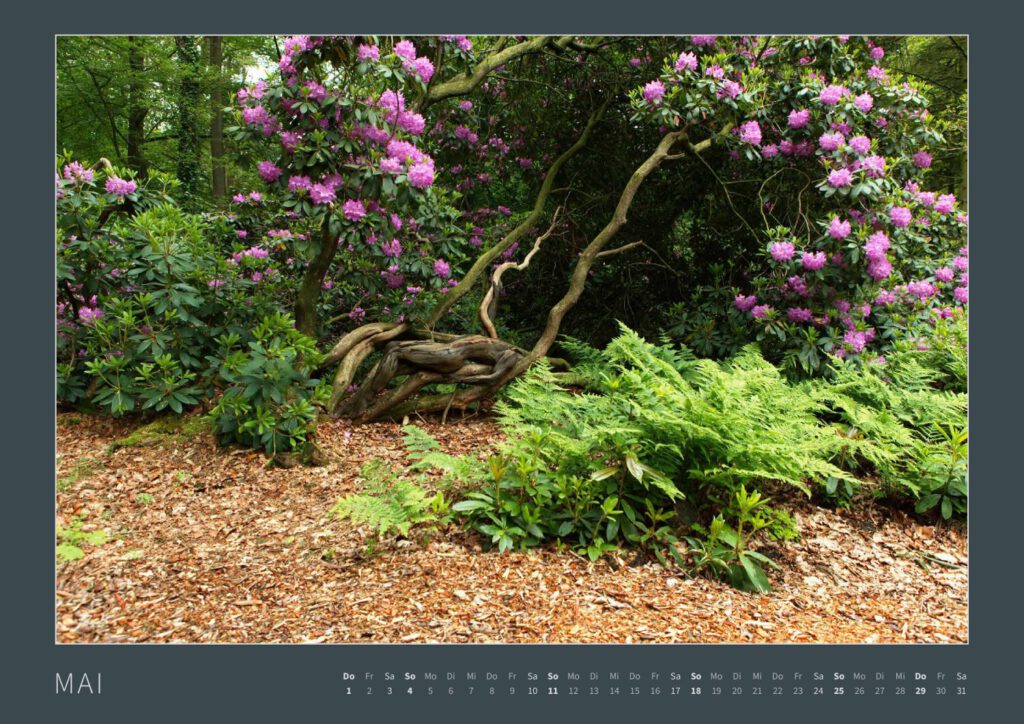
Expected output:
(215, 54)
(188, 167)
(137, 109)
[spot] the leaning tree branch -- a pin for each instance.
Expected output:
(479, 366)
(619, 249)
(485, 259)
(465, 84)
(596, 247)
(489, 304)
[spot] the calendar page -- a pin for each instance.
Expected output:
(463, 362)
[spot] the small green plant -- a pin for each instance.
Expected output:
(144, 498)
(71, 538)
(724, 553)
(940, 474)
(391, 505)
(426, 454)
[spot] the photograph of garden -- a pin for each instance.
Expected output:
(511, 339)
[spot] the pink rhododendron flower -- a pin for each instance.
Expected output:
(782, 251)
(269, 171)
(799, 119)
(120, 187)
(830, 141)
(750, 132)
(864, 102)
(812, 261)
(879, 269)
(354, 209)
(654, 91)
(686, 61)
(421, 175)
(838, 228)
(321, 194)
(900, 216)
(405, 49)
(799, 314)
(832, 94)
(840, 177)
(745, 303)
(945, 203)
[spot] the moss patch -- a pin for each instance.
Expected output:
(164, 431)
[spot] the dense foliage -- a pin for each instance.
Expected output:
(664, 446)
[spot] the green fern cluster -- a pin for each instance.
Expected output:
(426, 454)
(662, 447)
(905, 421)
(390, 505)
(655, 428)
(694, 421)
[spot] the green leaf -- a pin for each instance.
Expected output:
(634, 467)
(927, 502)
(755, 575)
(612, 530)
(604, 473)
(466, 506)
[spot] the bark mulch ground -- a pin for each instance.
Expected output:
(208, 544)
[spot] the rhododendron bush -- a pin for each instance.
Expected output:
(857, 251)
(342, 160)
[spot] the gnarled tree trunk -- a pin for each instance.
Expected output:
(477, 365)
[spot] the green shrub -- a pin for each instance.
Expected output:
(270, 400)
(144, 290)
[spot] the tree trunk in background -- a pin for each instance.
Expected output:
(187, 52)
(963, 190)
(312, 281)
(219, 178)
(136, 107)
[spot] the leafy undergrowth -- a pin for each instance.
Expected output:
(208, 544)
(675, 456)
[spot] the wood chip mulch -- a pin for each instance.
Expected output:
(208, 544)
